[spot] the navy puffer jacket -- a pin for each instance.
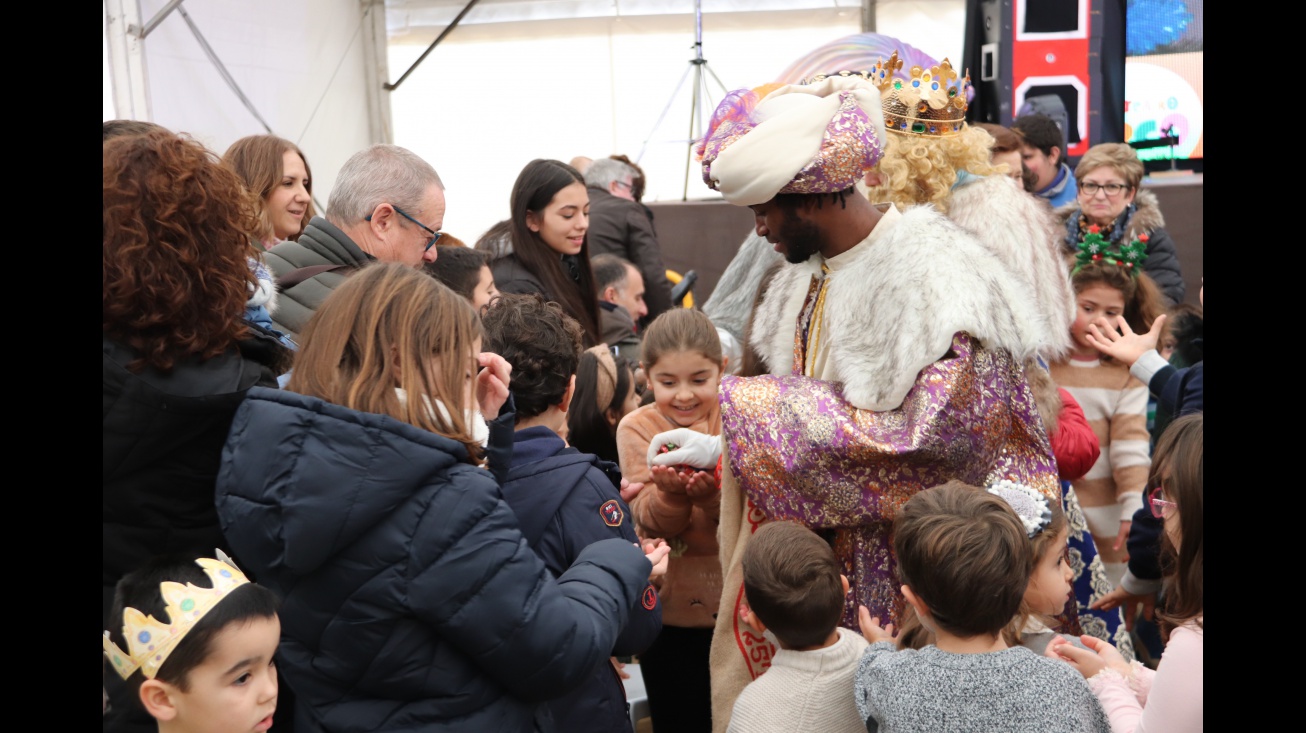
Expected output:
(411, 602)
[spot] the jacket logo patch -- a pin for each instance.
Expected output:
(650, 597)
(611, 513)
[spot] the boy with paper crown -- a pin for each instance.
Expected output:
(199, 640)
(895, 340)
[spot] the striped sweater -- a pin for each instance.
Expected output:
(1115, 405)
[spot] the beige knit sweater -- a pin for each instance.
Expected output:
(1115, 404)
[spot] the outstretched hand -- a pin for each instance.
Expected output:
(658, 552)
(1119, 596)
(492, 383)
(668, 479)
(871, 629)
(1089, 663)
(1123, 345)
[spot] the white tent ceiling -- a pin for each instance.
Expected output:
(515, 80)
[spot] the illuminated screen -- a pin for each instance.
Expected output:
(1163, 75)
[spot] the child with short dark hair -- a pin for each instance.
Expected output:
(795, 592)
(965, 561)
(564, 500)
(200, 639)
(465, 271)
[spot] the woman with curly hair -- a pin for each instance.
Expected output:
(178, 356)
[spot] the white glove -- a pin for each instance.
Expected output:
(692, 449)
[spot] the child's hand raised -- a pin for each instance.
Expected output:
(871, 629)
(1125, 345)
(657, 552)
(492, 383)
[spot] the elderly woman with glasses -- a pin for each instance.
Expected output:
(1109, 197)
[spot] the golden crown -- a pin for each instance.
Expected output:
(930, 102)
(150, 640)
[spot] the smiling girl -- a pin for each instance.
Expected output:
(550, 254)
(682, 357)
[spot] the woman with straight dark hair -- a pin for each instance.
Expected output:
(550, 253)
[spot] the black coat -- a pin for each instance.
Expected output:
(163, 437)
(565, 501)
(410, 599)
(162, 440)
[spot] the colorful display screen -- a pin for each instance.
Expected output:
(1163, 76)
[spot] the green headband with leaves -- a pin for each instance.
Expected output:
(1096, 248)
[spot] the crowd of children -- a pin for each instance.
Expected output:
(461, 511)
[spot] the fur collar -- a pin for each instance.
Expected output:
(894, 309)
(1021, 231)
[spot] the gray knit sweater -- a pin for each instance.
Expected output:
(1013, 690)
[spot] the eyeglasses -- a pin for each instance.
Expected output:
(1160, 506)
(624, 184)
(1112, 189)
(435, 235)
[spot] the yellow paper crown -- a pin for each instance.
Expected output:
(930, 102)
(150, 640)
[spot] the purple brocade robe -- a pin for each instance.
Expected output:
(798, 451)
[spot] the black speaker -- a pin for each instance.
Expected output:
(1073, 50)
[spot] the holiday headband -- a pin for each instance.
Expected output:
(150, 640)
(798, 138)
(1031, 506)
(1096, 248)
(606, 378)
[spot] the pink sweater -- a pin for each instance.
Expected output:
(1169, 699)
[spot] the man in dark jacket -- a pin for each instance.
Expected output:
(387, 204)
(619, 226)
(564, 500)
(621, 298)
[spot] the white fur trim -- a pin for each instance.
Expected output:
(1021, 231)
(894, 310)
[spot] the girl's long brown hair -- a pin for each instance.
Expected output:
(1177, 466)
(380, 330)
(177, 233)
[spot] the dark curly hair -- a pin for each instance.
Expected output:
(177, 232)
(540, 341)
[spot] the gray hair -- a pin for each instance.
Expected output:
(604, 171)
(380, 174)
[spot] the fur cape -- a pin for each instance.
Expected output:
(894, 309)
(1021, 230)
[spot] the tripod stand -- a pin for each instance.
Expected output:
(698, 65)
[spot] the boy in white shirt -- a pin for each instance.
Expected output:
(795, 595)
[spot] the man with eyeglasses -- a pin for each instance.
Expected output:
(620, 226)
(1043, 151)
(387, 205)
